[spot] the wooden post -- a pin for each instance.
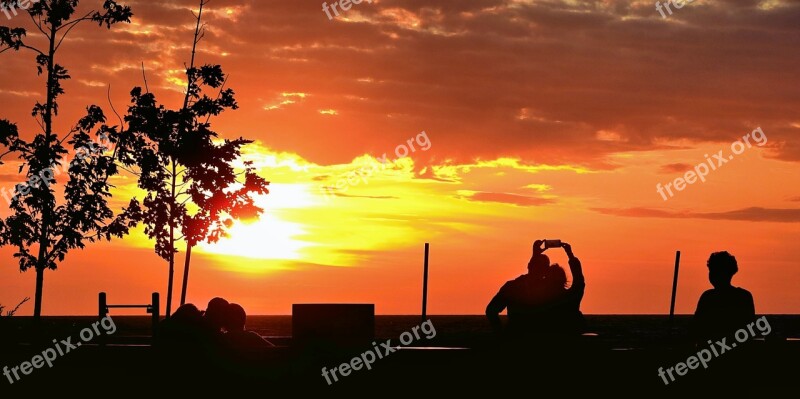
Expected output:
(102, 306)
(155, 307)
(102, 311)
(674, 287)
(425, 284)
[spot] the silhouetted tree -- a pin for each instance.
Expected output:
(217, 208)
(193, 189)
(44, 225)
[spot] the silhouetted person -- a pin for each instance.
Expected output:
(214, 316)
(183, 328)
(237, 337)
(211, 326)
(725, 308)
(182, 343)
(525, 291)
(563, 311)
(539, 302)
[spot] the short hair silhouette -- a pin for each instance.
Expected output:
(215, 312)
(187, 313)
(235, 318)
(538, 262)
(721, 267)
(237, 338)
(217, 304)
(182, 330)
(725, 308)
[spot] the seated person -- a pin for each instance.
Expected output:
(236, 336)
(723, 309)
(183, 329)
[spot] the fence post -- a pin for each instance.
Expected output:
(102, 306)
(102, 311)
(425, 285)
(155, 307)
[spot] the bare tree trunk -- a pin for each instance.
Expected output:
(37, 307)
(189, 247)
(41, 263)
(171, 246)
(182, 129)
(169, 285)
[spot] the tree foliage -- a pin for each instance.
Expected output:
(194, 189)
(45, 224)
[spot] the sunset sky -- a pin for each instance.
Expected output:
(542, 119)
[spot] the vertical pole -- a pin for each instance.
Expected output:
(155, 307)
(168, 312)
(102, 306)
(102, 311)
(186, 272)
(425, 285)
(674, 287)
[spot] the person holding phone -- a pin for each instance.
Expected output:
(539, 302)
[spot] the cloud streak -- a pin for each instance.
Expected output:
(509, 198)
(752, 214)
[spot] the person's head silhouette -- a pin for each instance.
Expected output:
(721, 268)
(235, 318)
(187, 313)
(215, 313)
(556, 277)
(538, 265)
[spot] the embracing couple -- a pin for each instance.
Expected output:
(541, 302)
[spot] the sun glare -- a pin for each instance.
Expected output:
(267, 238)
(270, 237)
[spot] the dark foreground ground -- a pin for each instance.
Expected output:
(464, 358)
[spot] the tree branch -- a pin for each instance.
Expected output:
(145, 79)
(71, 132)
(76, 21)
(121, 123)
(73, 24)
(129, 171)
(39, 26)
(221, 88)
(31, 48)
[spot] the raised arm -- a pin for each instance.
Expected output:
(538, 249)
(575, 267)
(578, 287)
